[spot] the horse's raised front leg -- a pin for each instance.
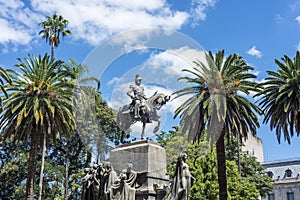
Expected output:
(156, 128)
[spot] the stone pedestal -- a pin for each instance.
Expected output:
(149, 161)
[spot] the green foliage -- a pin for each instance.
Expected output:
(173, 145)
(39, 97)
(71, 153)
(239, 188)
(13, 161)
(253, 172)
(53, 180)
(202, 161)
(4, 78)
(75, 184)
(215, 90)
(280, 98)
(163, 138)
(205, 171)
(107, 120)
(39, 103)
(95, 120)
(215, 103)
(14, 164)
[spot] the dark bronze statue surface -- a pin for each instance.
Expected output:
(102, 183)
(136, 93)
(181, 184)
(140, 109)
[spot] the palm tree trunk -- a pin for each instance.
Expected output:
(239, 152)
(32, 166)
(66, 176)
(52, 50)
(42, 168)
(222, 167)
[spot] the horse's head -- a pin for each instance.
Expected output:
(159, 100)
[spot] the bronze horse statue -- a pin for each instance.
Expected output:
(147, 112)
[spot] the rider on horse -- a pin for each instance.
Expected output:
(136, 93)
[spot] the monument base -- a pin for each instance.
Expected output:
(149, 161)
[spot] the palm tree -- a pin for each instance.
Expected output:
(73, 71)
(218, 105)
(4, 78)
(53, 27)
(280, 98)
(83, 96)
(39, 104)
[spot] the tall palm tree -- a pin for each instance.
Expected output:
(217, 104)
(4, 78)
(53, 27)
(73, 73)
(280, 98)
(39, 104)
(83, 96)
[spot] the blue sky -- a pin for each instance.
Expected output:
(260, 31)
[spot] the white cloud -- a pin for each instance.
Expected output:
(198, 9)
(12, 4)
(298, 19)
(18, 24)
(94, 20)
(298, 46)
(9, 33)
(175, 60)
(254, 52)
(160, 73)
(113, 81)
(136, 4)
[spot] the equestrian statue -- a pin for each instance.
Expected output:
(140, 109)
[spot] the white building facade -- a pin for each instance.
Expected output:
(254, 147)
(285, 173)
(286, 176)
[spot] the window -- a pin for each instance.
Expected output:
(271, 197)
(288, 173)
(290, 196)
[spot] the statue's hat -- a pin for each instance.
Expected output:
(137, 77)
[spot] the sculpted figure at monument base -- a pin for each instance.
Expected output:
(148, 157)
(181, 185)
(147, 181)
(101, 183)
(124, 187)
